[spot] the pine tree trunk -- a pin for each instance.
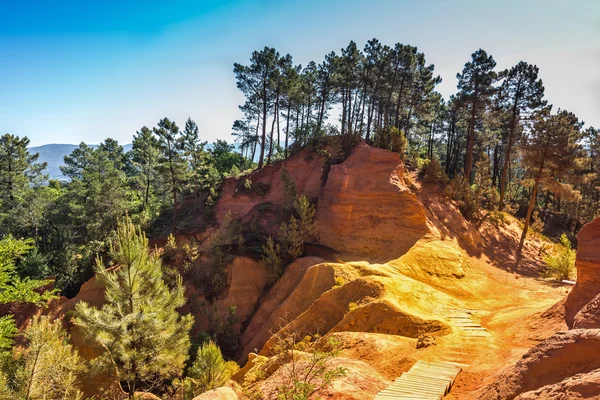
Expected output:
(530, 208)
(511, 137)
(470, 143)
(287, 128)
(264, 125)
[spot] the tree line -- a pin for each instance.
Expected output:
(70, 221)
(498, 125)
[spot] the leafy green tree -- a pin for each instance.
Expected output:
(47, 368)
(143, 336)
(476, 89)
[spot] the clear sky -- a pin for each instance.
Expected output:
(75, 70)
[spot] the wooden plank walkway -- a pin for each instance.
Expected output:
(433, 380)
(463, 320)
(424, 381)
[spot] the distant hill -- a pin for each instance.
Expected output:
(54, 154)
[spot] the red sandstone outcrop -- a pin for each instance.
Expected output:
(587, 287)
(267, 185)
(247, 279)
(580, 386)
(222, 393)
(293, 293)
(366, 210)
(555, 359)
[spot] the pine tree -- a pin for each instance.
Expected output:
(47, 368)
(15, 289)
(475, 85)
(193, 152)
(19, 173)
(256, 82)
(521, 93)
(143, 336)
(209, 370)
(171, 162)
(550, 154)
(144, 156)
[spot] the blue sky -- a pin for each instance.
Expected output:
(73, 71)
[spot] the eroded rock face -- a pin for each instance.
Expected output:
(293, 293)
(222, 393)
(247, 279)
(580, 386)
(557, 358)
(267, 185)
(589, 315)
(587, 287)
(366, 210)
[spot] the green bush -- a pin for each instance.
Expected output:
(170, 250)
(338, 282)
(210, 370)
(561, 263)
(272, 259)
(459, 190)
(291, 237)
(434, 173)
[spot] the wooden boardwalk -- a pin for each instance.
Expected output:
(464, 321)
(433, 380)
(424, 381)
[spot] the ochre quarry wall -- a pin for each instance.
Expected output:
(582, 308)
(366, 210)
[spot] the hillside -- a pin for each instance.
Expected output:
(386, 284)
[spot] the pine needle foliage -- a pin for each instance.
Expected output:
(144, 338)
(15, 289)
(210, 370)
(46, 369)
(291, 237)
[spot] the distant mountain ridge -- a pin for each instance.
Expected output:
(54, 155)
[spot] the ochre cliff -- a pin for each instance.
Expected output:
(582, 305)
(268, 186)
(365, 208)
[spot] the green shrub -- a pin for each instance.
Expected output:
(561, 263)
(352, 306)
(434, 173)
(291, 238)
(170, 250)
(485, 195)
(459, 190)
(289, 186)
(271, 258)
(191, 252)
(338, 282)
(210, 370)
(497, 217)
